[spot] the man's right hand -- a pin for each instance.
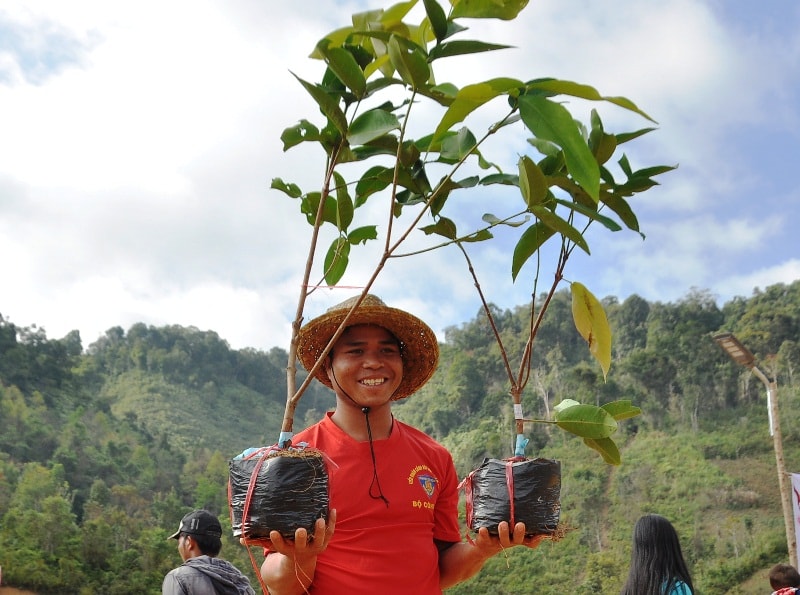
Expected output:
(290, 564)
(304, 545)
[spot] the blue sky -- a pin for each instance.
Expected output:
(138, 140)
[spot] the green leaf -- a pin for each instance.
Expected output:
(409, 153)
(560, 225)
(292, 190)
(590, 213)
(558, 87)
(383, 82)
(479, 236)
(335, 38)
(564, 403)
(550, 121)
(530, 241)
(443, 227)
(299, 133)
(336, 260)
(375, 179)
(383, 145)
(361, 235)
(586, 421)
(624, 137)
(344, 65)
(443, 190)
(605, 148)
(532, 182)
(437, 18)
(607, 449)
(409, 62)
(592, 324)
(407, 198)
(505, 10)
(371, 125)
(623, 210)
(505, 179)
(575, 191)
(545, 147)
(310, 203)
(457, 146)
(648, 172)
(470, 98)
(622, 409)
(463, 47)
(414, 179)
(635, 185)
(625, 166)
(328, 105)
(344, 204)
(442, 94)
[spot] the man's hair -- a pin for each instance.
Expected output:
(210, 546)
(783, 575)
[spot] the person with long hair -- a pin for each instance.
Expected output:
(657, 564)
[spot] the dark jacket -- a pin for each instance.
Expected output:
(204, 575)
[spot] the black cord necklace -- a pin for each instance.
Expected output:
(376, 482)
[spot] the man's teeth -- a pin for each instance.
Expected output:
(373, 381)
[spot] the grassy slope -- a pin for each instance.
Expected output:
(196, 417)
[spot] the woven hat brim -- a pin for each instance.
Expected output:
(419, 346)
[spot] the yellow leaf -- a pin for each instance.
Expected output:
(591, 322)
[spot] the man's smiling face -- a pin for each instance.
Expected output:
(366, 365)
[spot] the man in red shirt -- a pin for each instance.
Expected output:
(393, 525)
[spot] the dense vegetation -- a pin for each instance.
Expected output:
(103, 449)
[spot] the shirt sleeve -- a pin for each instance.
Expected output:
(171, 586)
(680, 588)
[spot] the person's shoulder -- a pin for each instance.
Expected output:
(312, 432)
(179, 573)
(171, 583)
(225, 564)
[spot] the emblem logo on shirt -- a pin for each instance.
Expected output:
(428, 483)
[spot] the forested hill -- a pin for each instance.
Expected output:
(103, 448)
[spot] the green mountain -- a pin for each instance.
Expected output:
(103, 448)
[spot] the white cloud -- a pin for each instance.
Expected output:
(134, 178)
(785, 272)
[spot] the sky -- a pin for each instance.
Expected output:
(138, 141)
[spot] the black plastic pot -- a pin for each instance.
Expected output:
(280, 490)
(515, 490)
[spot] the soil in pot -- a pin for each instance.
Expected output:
(515, 490)
(271, 489)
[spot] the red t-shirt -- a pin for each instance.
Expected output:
(375, 548)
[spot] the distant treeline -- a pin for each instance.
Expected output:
(103, 448)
